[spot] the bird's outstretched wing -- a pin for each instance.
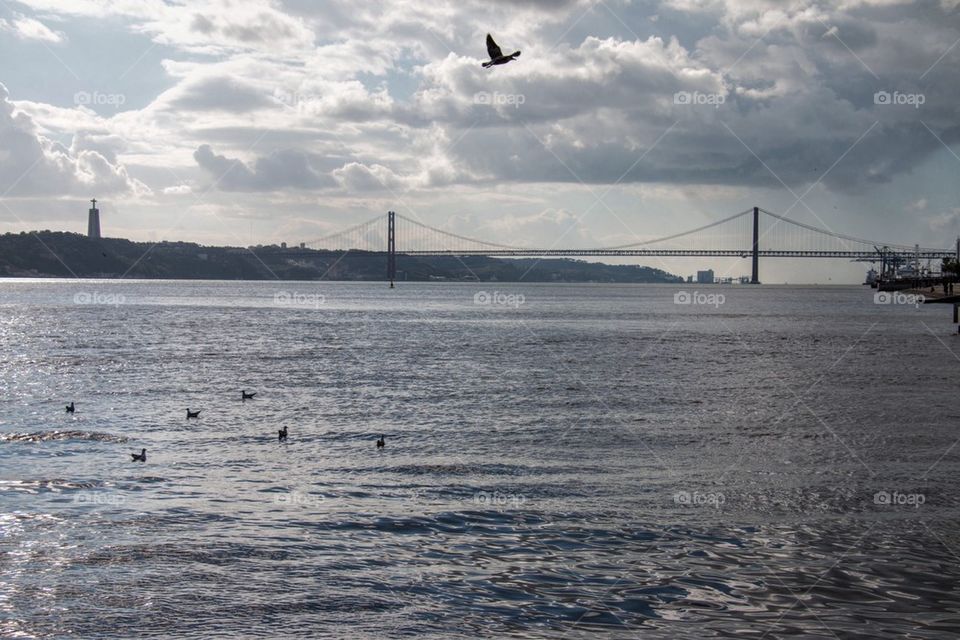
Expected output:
(493, 49)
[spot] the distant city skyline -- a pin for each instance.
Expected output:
(244, 123)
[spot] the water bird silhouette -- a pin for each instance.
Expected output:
(282, 435)
(139, 457)
(496, 55)
(381, 443)
(70, 408)
(246, 396)
(193, 414)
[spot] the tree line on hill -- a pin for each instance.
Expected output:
(65, 255)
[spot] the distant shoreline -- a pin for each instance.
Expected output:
(54, 254)
(673, 285)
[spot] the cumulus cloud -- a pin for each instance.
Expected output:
(35, 165)
(205, 26)
(281, 169)
(30, 29)
(217, 94)
(356, 176)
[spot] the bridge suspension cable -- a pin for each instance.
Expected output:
(682, 234)
(841, 236)
(365, 236)
(420, 234)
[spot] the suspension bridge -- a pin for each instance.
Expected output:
(755, 233)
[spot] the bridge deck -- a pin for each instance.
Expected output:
(678, 253)
(763, 253)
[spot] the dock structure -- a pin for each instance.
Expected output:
(951, 299)
(937, 295)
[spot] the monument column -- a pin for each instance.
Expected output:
(93, 221)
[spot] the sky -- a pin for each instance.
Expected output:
(256, 122)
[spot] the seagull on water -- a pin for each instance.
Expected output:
(139, 457)
(282, 434)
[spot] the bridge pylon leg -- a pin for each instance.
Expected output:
(755, 274)
(391, 247)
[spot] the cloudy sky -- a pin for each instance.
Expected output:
(251, 121)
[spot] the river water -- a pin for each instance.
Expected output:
(560, 461)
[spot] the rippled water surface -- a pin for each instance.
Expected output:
(572, 461)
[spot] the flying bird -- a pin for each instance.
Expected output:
(496, 55)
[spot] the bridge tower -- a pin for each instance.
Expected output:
(755, 275)
(391, 247)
